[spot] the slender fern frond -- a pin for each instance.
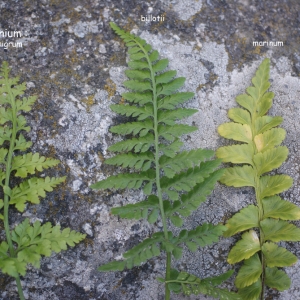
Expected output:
(176, 182)
(26, 243)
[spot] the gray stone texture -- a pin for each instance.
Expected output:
(75, 64)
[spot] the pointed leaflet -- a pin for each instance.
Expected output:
(249, 273)
(235, 131)
(170, 87)
(138, 210)
(135, 127)
(190, 284)
(31, 189)
(138, 74)
(277, 279)
(239, 176)
(278, 230)
(183, 160)
(138, 161)
(265, 123)
(245, 248)
(171, 149)
(139, 86)
(275, 207)
(28, 163)
(270, 159)
(245, 219)
(171, 132)
(170, 102)
(202, 236)
(122, 181)
(169, 117)
(138, 254)
(186, 180)
(128, 110)
(271, 185)
(277, 256)
(191, 201)
(140, 98)
(160, 65)
(165, 77)
(237, 154)
(5, 134)
(141, 144)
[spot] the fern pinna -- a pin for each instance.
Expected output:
(175, 183)
(26, 243)
(266, 223)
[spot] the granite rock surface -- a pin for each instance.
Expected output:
(74, 63)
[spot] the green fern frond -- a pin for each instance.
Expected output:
(260, 154)
(26, 243)
(155, 141)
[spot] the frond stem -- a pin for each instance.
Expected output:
(157, 170)
(260, 208)
(7, 177)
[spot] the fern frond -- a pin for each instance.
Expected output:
(163, 170)
(26, 243)
(261, 154)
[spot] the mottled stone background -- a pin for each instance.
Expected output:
(75, 64)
